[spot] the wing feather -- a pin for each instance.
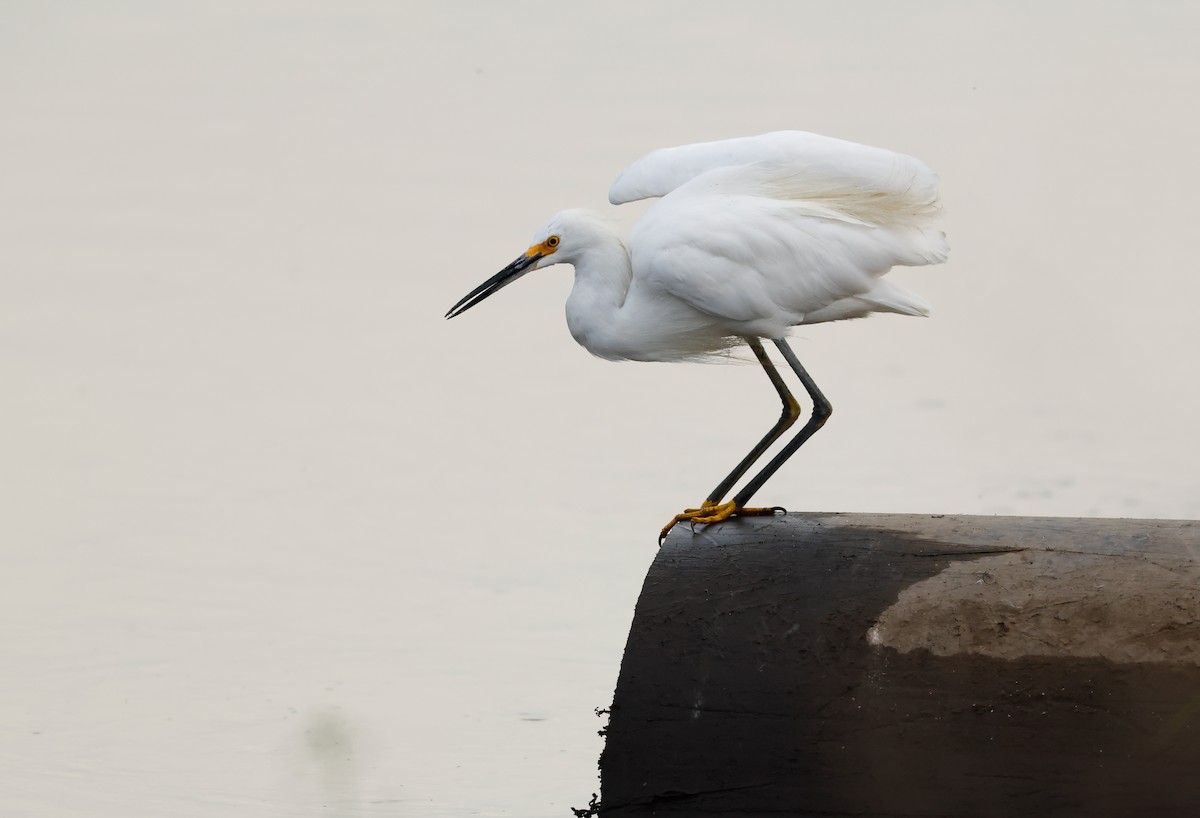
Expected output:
(768, 245)
(835, 163)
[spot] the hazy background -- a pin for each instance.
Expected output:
(276, 539)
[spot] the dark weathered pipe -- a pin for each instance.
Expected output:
(912, 665)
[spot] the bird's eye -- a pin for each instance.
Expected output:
(552, 241)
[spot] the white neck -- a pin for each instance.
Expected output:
(602, 277)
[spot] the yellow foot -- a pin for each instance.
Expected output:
(710, 512)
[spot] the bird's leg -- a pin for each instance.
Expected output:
(712, 510)
(821, 412)
(791, 411)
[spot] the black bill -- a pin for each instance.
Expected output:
(501, 279)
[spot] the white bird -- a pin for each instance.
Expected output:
(751, 236)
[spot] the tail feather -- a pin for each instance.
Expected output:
(887, 297)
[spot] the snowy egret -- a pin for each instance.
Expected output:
(751, 236)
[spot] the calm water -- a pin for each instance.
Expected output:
(278, 540)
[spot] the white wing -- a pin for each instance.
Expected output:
(777, 242)
(849, 163)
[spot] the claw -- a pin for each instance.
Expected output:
(710, 512)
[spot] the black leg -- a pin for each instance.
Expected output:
(714, 511)
(821, 412)
(791, 411)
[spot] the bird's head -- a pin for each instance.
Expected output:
(559, 242)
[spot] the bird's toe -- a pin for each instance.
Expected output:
(710, 512)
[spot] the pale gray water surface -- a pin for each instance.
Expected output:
(279, 540)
